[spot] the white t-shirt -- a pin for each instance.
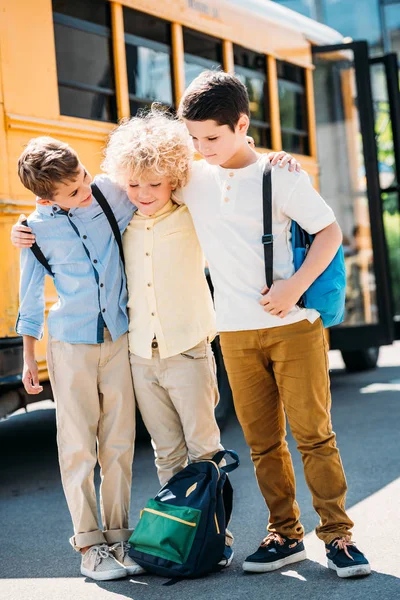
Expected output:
(227, 211)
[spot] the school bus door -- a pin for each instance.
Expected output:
(349, 181)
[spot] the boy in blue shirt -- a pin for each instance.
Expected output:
(87, 349)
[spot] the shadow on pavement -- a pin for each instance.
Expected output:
(36, 524)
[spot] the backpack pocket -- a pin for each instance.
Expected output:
(166, 531)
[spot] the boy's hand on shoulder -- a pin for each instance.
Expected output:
(282, 159)
(281, 297)
(30, 377)
(22, 236)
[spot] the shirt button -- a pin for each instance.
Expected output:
(226, 199)
(154, 344)
(95, 261)
(149, 284)
(228, 187)
(231, 174)
(153, 314)
(148, 228)
(104, 310)
(71, 214)
(102, 285)
(147, 253)
(84, 237)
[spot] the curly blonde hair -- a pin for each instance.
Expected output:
(148, 144)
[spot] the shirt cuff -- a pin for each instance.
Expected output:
(24, 327)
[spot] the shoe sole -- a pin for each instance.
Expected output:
(253, 567)
(226, 563)
(356, 571)
(106, 575)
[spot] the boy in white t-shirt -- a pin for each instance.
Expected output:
(275, 352)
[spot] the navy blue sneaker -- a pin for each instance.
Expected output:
(227, 557)
(274, 553)
(346, 559)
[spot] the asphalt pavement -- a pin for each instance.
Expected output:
(37, 562)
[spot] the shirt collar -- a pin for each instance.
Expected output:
(242, 173)
(53, 210)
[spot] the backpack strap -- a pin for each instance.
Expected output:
(227, 468)
(106, 208)
(39, 254)
(267, 238)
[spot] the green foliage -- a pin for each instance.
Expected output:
(392, 231)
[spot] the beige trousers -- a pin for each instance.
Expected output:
(95, 411)
(177, 397)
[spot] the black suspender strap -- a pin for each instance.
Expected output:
(106, 208)
(39, 254)
(267, 238)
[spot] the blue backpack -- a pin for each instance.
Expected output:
(327, 293)
(181, 532)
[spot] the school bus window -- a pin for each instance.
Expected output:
(251, 68)
(85, 73)
(148, 59)
(293, 108)
(201, 52)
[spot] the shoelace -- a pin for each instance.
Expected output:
(271, 538)
(98, 553)
(125, 547)
(344, 543)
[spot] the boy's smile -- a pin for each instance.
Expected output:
(150, 195)
(73, 193)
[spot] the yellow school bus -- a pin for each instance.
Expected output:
(72, 68)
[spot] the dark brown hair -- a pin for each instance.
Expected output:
(217, 96)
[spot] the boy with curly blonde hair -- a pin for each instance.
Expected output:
(171, 314)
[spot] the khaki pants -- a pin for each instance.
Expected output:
(285, 370)
(177, 397)
(95, 410)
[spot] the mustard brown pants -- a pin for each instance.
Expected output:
(279, 373)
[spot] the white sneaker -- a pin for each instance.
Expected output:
(120, 552)
(97, 563)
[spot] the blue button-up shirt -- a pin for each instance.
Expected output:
(81, 250)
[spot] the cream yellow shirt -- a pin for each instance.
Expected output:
(169, 296)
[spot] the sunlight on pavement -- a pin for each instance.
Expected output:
(373, 388)
(375, 518)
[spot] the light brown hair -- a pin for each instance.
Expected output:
(44, 163)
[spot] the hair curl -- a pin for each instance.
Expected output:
(148, 144)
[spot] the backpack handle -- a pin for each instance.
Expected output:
(232, 466)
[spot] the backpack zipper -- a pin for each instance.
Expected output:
(161, 514)
(216, 523)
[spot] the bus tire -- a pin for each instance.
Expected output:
(224, 407)
(360, 360)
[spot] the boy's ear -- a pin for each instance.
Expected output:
(243, 124)
(44, 202)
